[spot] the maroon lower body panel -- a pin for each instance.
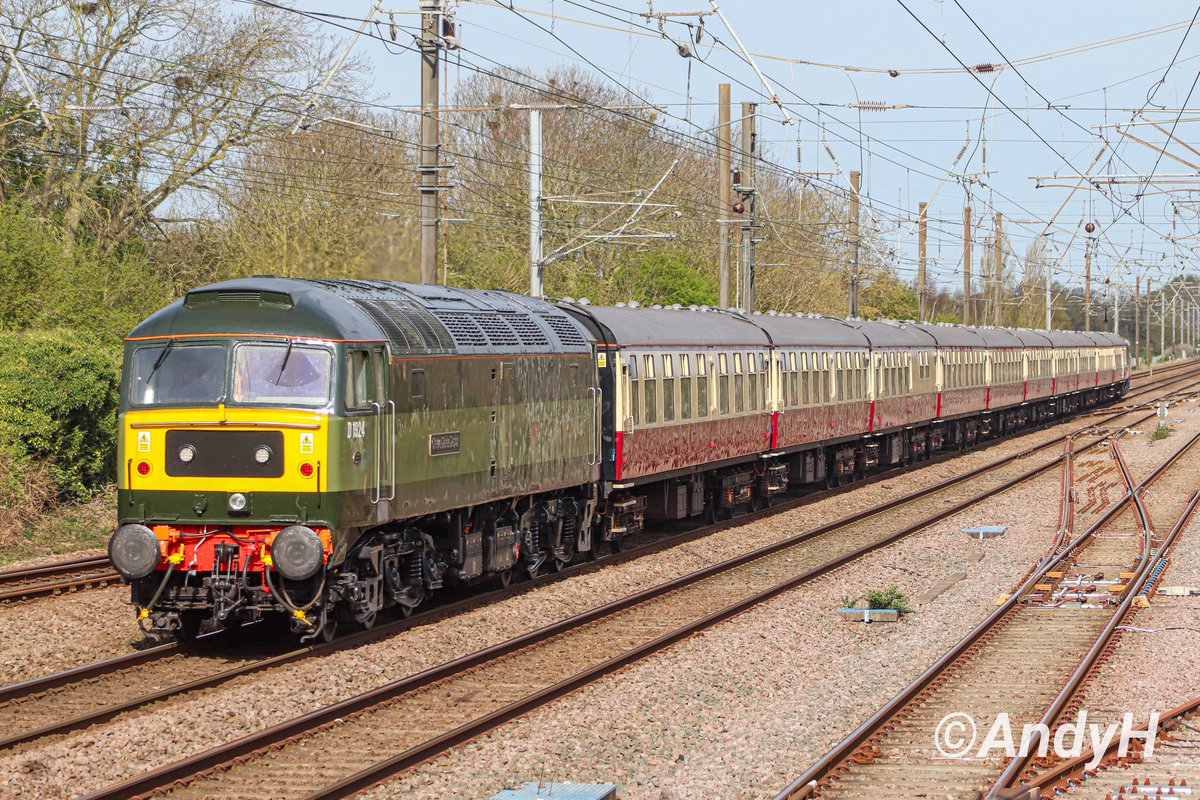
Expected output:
(649, 451)
(799, 426)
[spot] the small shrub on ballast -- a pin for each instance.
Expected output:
(1161, 433)
(889, 598)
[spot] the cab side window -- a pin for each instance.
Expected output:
(358, 380)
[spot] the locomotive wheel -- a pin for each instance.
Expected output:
(367, 623)
(329, 630)
(504, 578)
(560, 565)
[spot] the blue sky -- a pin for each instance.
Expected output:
(906, 152)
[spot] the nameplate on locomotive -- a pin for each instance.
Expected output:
(444, 444)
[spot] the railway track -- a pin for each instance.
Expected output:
(1169, 770)
(1028, 659)
(48, 580)
(401, 723)
(96, 693)
(93, 572)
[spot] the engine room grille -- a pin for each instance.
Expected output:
(497, 330)
(408, 326)
(567, 333)
(463, 329)
(530, 332)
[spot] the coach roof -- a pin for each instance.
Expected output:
(810, 331)
(672, 327)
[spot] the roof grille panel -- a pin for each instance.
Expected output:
(566, 331)
(407, 326)
(463, 329)
(498, 331)
(527, 328)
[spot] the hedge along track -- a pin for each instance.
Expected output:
(1027, 658)
(95, 693)
(48, 580)
(388, 729)
(94, 572)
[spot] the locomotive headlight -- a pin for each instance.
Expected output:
(296, 551)
(133, 551)
(187, 453)
(262, 455)
(237, 502)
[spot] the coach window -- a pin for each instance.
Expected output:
(701, 385)
(739, 384)
(762, 382)
(791, 380)
(685, 386)
(650, 391)
(634, 392)
(805, 379)
(723, 384)
(668, 388)
(752, 380)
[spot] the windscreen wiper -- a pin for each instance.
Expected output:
(161, 358)
(283, 366)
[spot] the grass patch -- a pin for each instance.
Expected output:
(889, 598)
(65, 529)
(1161, 433)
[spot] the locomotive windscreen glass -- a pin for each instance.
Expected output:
(292, 375)
(178, 374)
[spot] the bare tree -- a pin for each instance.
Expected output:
(138, 101)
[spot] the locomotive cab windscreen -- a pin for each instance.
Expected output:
(287, 375)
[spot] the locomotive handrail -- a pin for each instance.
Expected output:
(377, 489)
(392, 447)
(594, 456)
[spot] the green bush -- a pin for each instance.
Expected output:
(58, 404)
(49, 283)
(1161, 433)
(890, 597)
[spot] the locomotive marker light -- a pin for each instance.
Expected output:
(237, 501)
(187, 453)
(133, 551)
(262, 455)
(296, 551)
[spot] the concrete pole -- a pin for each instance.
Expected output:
(1087, 288)
(749, 112)
(1149, 283)
(1049, 307)
(1116, 307)
(430, 46)
(1162, 322)
(997, 276)
(1137, 317)
(966, 304)
(725, 192)
(921, 239)
(855, 183)
(535, 203)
